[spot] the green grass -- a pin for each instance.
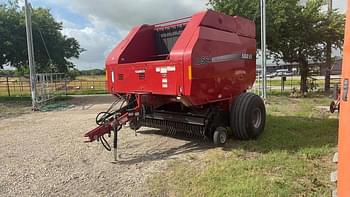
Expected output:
(14, 106)
(92, 84)
(291, 158)
(86, 92)
(19, 105)
(92, 77)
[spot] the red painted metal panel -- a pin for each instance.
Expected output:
(213, 59)
(236, 24)
(227, 74)
(158, 77)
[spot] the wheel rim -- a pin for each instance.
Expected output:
(256, 117)
(222, 138)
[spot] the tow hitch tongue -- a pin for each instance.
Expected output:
(113, 120)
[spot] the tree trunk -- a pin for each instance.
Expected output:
(304, 72)
(327, 82)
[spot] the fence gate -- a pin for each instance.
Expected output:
(49, 85)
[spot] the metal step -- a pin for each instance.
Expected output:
(334, 193)
(335, 158)
(334, 176)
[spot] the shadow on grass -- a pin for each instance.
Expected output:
(282, 133)
(163, 152)
(292, 133)
(15, 99)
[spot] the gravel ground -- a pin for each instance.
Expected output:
(43, 154)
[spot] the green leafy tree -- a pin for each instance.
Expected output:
(333, 37)
(52, 49)
(295, 32)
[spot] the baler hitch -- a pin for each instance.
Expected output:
(113, 120)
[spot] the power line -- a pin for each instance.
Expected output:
(43, 40)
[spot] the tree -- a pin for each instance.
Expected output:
(295, 32)
(52, 49)
(334, 28)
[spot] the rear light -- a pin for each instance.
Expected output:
(190, 72)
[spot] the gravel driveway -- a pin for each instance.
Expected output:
(43, 154)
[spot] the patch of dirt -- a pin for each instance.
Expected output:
(43, 154)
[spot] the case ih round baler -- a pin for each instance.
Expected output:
(190, 75)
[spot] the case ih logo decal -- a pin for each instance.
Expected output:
(164, 70)
(140, 71)
(225, 58)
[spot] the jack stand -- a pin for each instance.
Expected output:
(115, 142)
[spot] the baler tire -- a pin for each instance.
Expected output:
(332, 107)
(134, 124)
(248, 116)
(220, 136)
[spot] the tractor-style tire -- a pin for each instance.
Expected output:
(220, 136)
(247, 116)
(332, 107)
(134, 124)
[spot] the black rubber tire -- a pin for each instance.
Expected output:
(135, 124)
(220, 136)
(247, 116)
(332, 107)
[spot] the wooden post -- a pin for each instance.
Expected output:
(65, 86)
(8, 86)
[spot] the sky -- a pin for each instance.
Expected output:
(100, 25)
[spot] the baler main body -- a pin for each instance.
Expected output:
(202, 59)
(189, 75)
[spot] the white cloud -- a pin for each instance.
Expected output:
(95, 39)
(126, 13)
(118, 17)
(340, 4)
(337, 4)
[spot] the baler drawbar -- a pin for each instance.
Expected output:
(189, 75)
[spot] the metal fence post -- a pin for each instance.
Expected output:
(65, 86)
(8, 86)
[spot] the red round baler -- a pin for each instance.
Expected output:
(190, 74)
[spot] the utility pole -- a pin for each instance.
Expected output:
(328, 52)
(28, 18)
(263, 46)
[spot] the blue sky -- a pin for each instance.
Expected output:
(100, 26)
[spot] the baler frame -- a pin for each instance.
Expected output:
(112, 120)
(191, 74)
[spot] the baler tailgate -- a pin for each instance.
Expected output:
(157, 77)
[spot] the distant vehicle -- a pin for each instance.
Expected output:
(288, 74)
(271, 75)
(283, 72)
(280, 73)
